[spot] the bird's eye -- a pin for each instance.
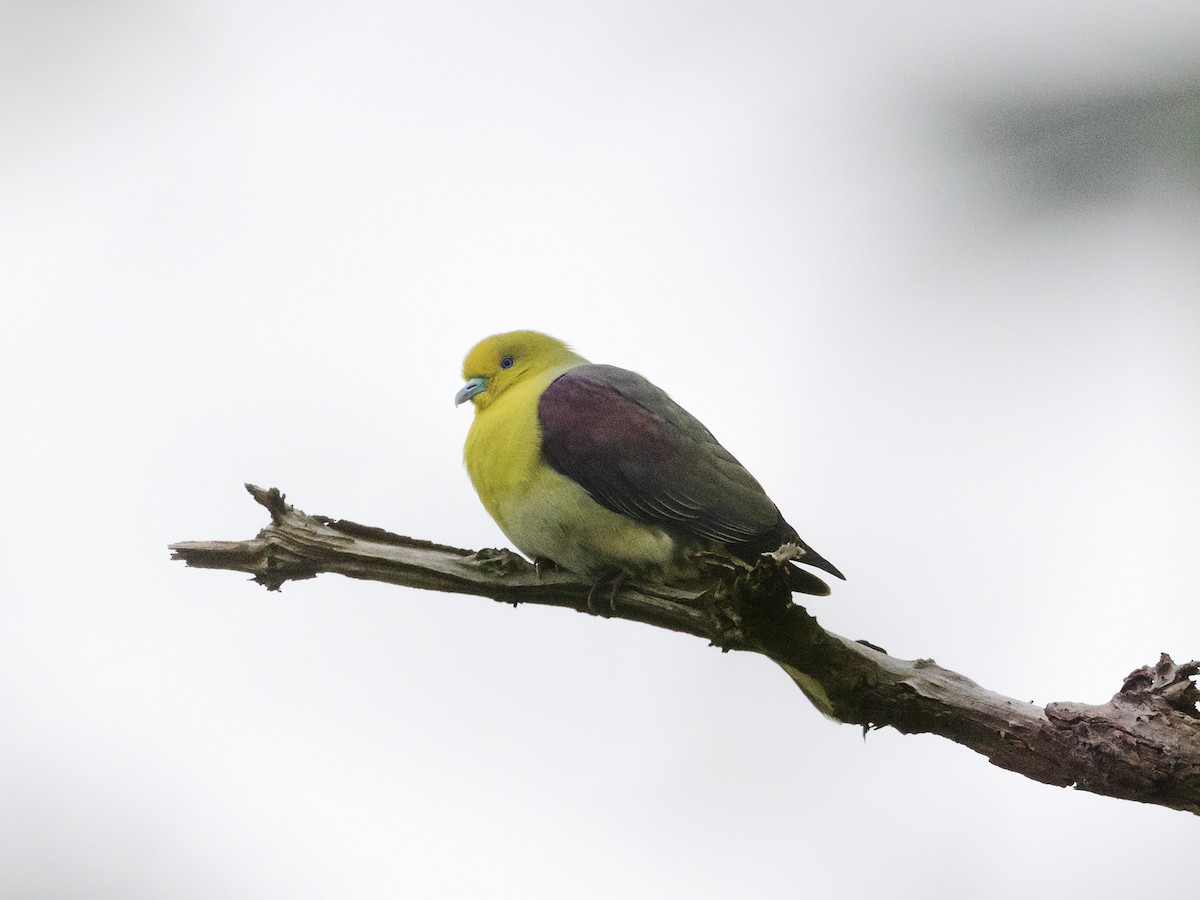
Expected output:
(506, 362)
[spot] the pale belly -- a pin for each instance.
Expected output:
(552, 517)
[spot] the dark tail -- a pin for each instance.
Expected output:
(805, 582)
(812, 558)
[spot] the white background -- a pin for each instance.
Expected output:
(930, 272)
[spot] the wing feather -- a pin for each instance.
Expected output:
(639, 453)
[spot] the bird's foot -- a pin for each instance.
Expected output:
(724, 616)
(719, 563)
(720, 571)
(500, 561)
(616, 578)
(543, 564)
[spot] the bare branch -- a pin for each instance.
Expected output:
(1143, 744)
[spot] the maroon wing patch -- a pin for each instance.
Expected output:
(639, 453)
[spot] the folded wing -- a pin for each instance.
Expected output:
(639, 453)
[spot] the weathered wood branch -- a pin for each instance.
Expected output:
(1143, 744)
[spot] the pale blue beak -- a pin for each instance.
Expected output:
(470, 389)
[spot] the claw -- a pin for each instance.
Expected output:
(543, 564)
(618, 578)
(616, 586)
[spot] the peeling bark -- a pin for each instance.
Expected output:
(1143, 744)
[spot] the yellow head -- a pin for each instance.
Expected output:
(502, 360)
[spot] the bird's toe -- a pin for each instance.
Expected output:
(613, 578)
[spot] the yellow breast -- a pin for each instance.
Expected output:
(504, 448)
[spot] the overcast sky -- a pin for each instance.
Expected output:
(931, 273)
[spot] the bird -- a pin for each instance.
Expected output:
(595, 469)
